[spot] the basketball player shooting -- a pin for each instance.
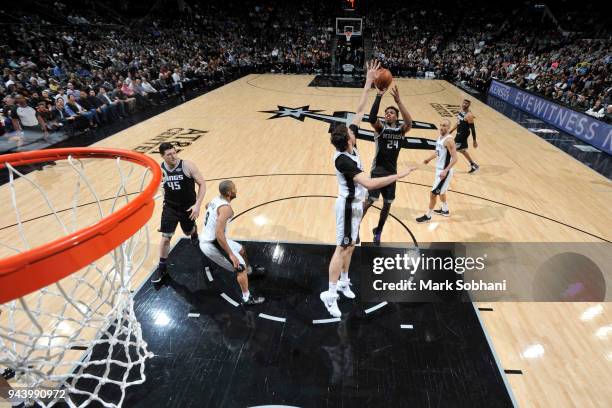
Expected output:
(465, 126)
(181, 204)
(446, 157)
(228, 254)
(389, 139)
(353, 184)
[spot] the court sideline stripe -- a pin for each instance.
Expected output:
(495, 357)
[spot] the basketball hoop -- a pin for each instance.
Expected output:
(348, 35)
(75, 290)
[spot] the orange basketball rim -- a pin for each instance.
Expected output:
(34, 269)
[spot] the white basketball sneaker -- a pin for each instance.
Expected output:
(344, 286)
(330, 300)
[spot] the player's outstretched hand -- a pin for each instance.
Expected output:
(194, 211)
(406, 171)
(395, 94)
(372, 68)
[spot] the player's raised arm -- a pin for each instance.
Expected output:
(405, 114)
(373, 116)
(372, 67)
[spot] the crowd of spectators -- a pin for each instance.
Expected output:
(72, 68)
(83, 75)
(523, 46)
(407, 38)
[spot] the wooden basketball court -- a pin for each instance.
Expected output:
(269, 133)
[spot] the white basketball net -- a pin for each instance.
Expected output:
(80, 334)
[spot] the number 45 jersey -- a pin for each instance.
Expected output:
(179, 188)
(388, 145)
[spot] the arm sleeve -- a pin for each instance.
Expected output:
(374, 111)
(347, 167)
(473, 129)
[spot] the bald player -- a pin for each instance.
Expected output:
(215, 244)
(446, 158)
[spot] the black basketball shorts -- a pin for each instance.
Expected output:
(388, 192)
(461, 142)
(171, 217)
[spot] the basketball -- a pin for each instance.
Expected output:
(383, 79)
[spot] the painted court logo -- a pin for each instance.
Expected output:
(346, 118)
(446, 110)
(179, 137)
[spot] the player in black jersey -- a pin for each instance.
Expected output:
(389, 139)
(181, 204)
(465, 124)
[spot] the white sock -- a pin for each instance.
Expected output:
(429, 212)
(333, 287)
(445, 206)
(344, 276)
(246, 295)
